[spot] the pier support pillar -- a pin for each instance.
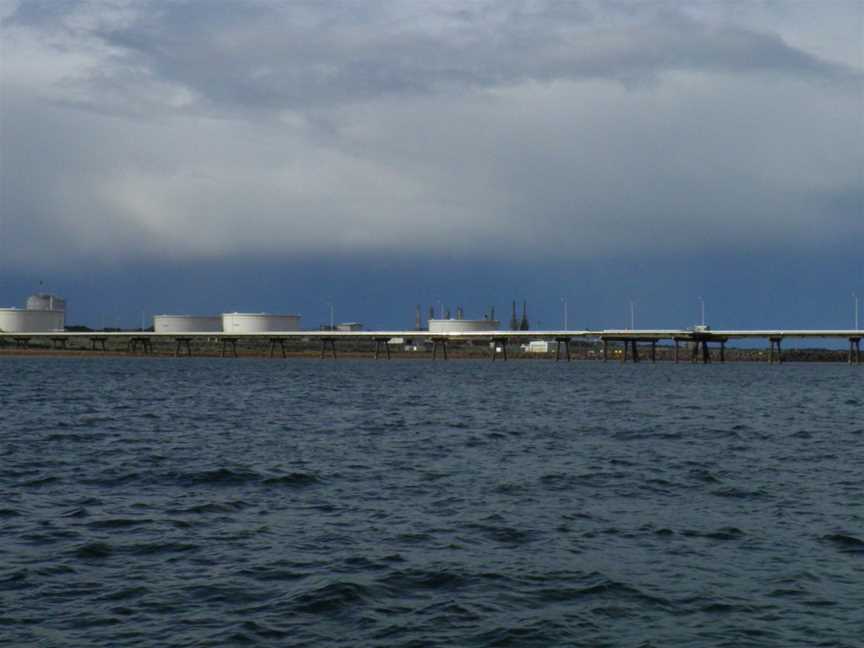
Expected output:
(98, 339)
(775, 343)
(855, 350)
(183, 342)
(378, 343)
(325, 342)
(495, 342)
(566, 342)
(625, 351)
(281, 343)
(143, 342)
(694, 350)
(435, 343)
(706, 352)
(229, 341)
(722, 350)
(676, 350)
(653, 350)
(635, 347)
(605, 350)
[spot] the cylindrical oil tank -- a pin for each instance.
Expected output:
(259, 323)
(187, 323)
(46, 302)
(22, 320)
(462, 325)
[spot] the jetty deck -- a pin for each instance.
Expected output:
(699, 342)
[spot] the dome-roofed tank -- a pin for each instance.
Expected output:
(46, 302)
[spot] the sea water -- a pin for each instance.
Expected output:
(210, 502)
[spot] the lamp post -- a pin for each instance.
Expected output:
(564, 302)
(632, 315)
(702, 307)
(855, 301)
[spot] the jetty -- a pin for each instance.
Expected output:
(700, 344)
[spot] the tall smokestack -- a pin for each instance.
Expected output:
(418, 320)
(514, 323)
(523, 326)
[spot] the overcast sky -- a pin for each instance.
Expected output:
(273, 155)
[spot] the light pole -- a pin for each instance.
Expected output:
(564, 302)
(632, 315)
(855, 299)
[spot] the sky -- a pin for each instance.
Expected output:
(204, 156)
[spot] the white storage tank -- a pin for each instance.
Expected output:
(259, 323)
(187, 323)
(46, 302)
(23, 320)
(462, 325)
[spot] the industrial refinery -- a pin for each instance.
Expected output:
(44, 318)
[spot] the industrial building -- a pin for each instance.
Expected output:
(44, 314)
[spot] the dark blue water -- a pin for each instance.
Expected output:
(200, 502)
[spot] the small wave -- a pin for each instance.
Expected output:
(153, 548)
(509, 488)
(221, 477)
(413, 537)
(210, 507)
(118, 523)
(505, 534)
(331, 598)
(125, 594)
(94, 550)
(93, 421)
(723, 533)
(40, 481)
(263, 631)
(703, 475)
(738, 493)
(108, 481)
(76, 437)
(9, 513)
(561, 481)
(845, 542)
(293, 480)
(78, 512)
(15, 580)
(411, 580)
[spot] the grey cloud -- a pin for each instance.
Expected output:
(306, 56)
(223, 129)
